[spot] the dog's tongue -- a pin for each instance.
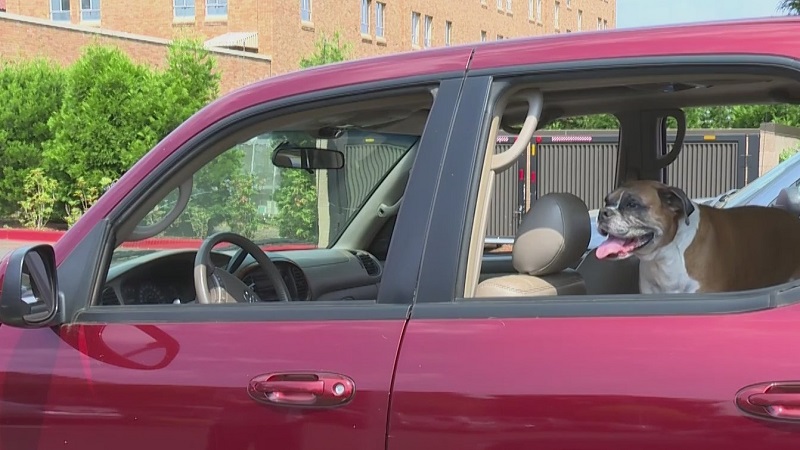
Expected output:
(615, 246)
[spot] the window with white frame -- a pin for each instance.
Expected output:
(90, 10)
(380, 8)
(216, 8)
(483, 36)
(448, 29)
(364, 16)
(580, 20)
(605, 24)
(59, 10)
(499, 37)
(305, 10)
(414, 28)
(183, 8)
(508, 5)
(569, 4)
(555, 14)
(599, 23)
(539, 11)
(530, 10)
(500, 4)
(428, 31)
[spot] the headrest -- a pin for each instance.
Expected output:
(553, 235)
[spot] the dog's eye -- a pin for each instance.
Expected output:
(631, 204)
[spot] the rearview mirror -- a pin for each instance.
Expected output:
(309, 158)
(29, 291)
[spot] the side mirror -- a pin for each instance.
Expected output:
(29, 290)
(308, 158)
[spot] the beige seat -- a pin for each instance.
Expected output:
(552, 238)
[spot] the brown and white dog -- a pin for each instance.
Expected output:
(684, 247)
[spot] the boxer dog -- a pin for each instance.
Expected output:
(684, 247)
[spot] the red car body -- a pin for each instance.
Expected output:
(426, 377)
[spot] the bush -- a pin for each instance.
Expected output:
(31, 93)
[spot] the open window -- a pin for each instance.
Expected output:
(554, 249)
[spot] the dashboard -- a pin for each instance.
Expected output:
(166, 277)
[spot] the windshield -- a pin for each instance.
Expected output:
(242, 191)
(745, 194)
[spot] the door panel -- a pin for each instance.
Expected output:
(158, 386)
(591, 383)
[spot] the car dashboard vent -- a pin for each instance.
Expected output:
(300, 282)
(368, 263)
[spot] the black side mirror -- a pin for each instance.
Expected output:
(29, 294)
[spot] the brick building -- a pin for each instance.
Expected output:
(285, 30)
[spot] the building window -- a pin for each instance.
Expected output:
(305, 10)
(499, 37)
(414, 28)
(59, 10)
(428, 30)
(448, 28)
(530, 10)
(500, 5)
(183, 8)
(508, 5)
(605, 24)
(483, 36)
(379, 9)
(539, 11)
(580, 20)
(599, 23)
(364, 16)
(569, 4)
(217, 8)
(555, 14)
(90, 10)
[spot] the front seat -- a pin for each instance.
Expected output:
(552, 238)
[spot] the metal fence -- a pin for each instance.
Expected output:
(585, 165)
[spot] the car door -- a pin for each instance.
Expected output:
(585, 372)
(292, 375)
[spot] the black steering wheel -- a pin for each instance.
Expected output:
(216, 285)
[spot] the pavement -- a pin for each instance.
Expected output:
(9, 246)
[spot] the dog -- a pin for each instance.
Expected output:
(685, 247)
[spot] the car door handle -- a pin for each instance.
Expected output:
(776, 400)
(315, 389)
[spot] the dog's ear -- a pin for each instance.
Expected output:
(677, 200)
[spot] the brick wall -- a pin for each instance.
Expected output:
(26, 37)
(285, 39)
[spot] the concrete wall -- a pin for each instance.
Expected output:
(27, 37)
(774, 139)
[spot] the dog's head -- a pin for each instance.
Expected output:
(640, 217)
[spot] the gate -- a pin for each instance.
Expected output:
(585, 165)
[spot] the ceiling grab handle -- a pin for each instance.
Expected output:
(502, 161)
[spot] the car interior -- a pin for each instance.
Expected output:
(549, 256)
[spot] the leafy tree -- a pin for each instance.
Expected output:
(31, 92)
(296, 198)
(790, 7)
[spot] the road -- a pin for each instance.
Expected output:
(7, 246)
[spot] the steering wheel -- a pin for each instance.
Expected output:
(216, 285)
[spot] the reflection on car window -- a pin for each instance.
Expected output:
(242, 191)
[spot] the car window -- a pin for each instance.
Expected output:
(314, 192)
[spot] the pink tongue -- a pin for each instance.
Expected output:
(614, 246)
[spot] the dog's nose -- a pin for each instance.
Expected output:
(604, 212)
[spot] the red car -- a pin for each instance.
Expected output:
(382, 336)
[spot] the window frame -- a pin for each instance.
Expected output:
(365, 16)
(442, 275)
(184, 5)
(58, 15)
(93, 13)
(448, 33)
(415, 22)
(380, 17)
(216, 6)
(427, 39)
(306, 11)
(398, 275)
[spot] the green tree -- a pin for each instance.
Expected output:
(296, 198)
(790, 7)
(31, 93)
